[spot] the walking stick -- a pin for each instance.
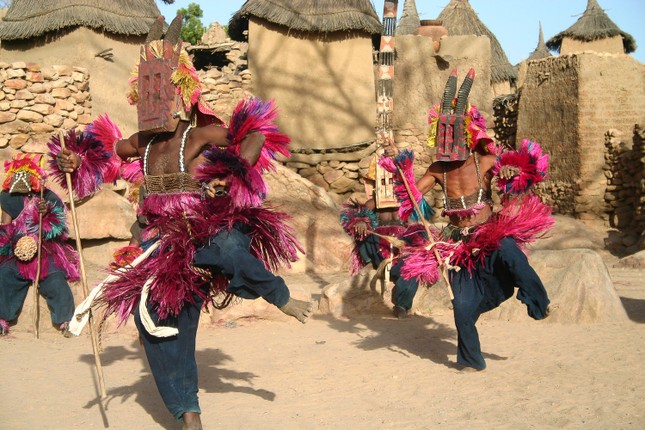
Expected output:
(79, 248)
(38, 265)
(444, 273)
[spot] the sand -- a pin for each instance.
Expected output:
(374, 372)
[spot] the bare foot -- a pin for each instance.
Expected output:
(64, 329)
(298, 309)
(462, 368)
(400, 312)
(192, 421)
(4, 328)
(550, 309)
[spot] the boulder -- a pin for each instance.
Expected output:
(577, 281)
(315, 218)
(106, 215)
(579, 286)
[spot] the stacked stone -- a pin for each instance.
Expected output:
(624, 193)
(639, 181)
(225, 86)
(561, 196)
(339, 177)
(505, 109)
(35, 101)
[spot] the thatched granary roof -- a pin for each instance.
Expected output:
(313, 16)
(541, 51)
(461, 20)
(409, 21)
(594, 24)
(28, 19)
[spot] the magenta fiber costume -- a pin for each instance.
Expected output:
(205, 246)
(58, 260)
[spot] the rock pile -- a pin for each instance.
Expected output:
(625, 191)
(35, 101)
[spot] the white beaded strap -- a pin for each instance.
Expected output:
(182, 148)
(147, 154)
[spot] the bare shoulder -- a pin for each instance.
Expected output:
(435, 169)
(213, 135)
(487, 161)
(131, 147)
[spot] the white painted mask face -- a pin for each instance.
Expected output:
(20, 183)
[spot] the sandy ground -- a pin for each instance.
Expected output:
(370, 373)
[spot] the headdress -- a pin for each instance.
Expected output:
(23, 174)
(164, 85)
(457, 127)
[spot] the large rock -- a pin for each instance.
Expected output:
(634, 261)
(106, 215)
(315, 219)
(579, 286)
(577, 281)
(568, 233)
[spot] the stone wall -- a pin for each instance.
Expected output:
(505, 108)
(36, 101)
(227, 82)
(624, 196)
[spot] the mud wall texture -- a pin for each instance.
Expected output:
(567, 104)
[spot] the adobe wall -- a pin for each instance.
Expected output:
(324, 87)
(611, 96)
(612, 45)
(567, 103)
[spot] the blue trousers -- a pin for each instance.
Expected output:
(172, 360)
(55, 289)
(486, 287)
(404, 289)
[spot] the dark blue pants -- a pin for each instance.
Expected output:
(404, 289)
(485, 288)
(227, 253)
(172, 360)
(55, 289)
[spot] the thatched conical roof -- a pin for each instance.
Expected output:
(541, 51)
(313, 16)
(594, 24)
(461, 20)
(409, 19)
(27, 19)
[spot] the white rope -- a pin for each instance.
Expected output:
(82, 311)
(146, 319)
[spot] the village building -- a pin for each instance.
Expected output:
(315, 60)
(574, 103)
(593, 31)
(461, 20)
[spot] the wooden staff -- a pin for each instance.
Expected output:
(79, 248)
(444, 273)
(38, 264)
(392, 240)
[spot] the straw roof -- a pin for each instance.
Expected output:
(541, 51)
(315, 16)
(409, 19)
(461, 20)
(27, 19)
(594, 24)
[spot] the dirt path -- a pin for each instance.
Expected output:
(371, 373)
